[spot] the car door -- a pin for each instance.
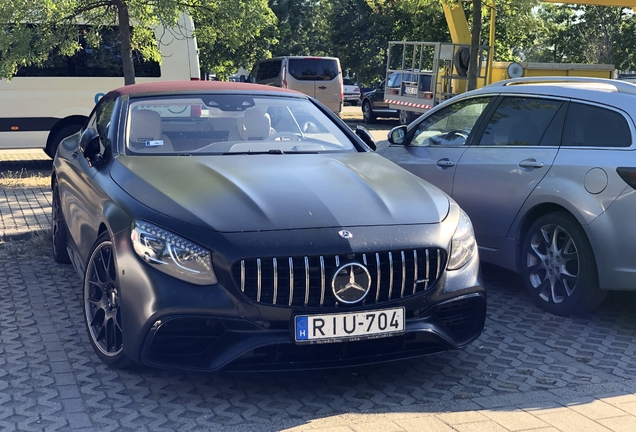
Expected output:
(435, 144)
(77, 191)
(513, 150)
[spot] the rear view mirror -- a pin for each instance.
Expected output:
(89, 146)
(366, 137)
(397, 135)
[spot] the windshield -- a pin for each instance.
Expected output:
(230, 124)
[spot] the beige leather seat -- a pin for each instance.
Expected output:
(258, 124)
(145, 126)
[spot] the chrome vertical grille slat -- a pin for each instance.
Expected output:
(427, 270)
(393, 272)
(275, 264)
(439, 259)
(322, 281)
(379, 277)
(403, 273)
(258, 284)
(414, 270)
(242, 275)
(306, 281)
(291, 280)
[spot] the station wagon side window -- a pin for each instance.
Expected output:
(521, 121)
(452, 125)
(594, 126)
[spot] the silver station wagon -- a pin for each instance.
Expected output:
(545, 167)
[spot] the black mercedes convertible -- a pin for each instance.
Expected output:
(242, 227)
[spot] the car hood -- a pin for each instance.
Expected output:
(237, 193)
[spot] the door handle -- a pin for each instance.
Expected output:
(530, 163)
(322, 88)
(445, 163)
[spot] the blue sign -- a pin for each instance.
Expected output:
(302, 328)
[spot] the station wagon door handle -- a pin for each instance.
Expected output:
(445, 163)
(322, 88)
(530, 163)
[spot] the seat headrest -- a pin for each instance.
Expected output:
(145, 125)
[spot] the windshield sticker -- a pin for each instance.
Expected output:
(154, 143)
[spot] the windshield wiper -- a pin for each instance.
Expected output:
(272, 151)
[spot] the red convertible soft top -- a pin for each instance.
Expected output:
(193, 86)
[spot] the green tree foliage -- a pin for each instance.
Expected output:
(362, 29)
(236, 34)
(304, 27)
(233, 32)
(584, 34)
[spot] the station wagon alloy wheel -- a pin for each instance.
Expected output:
(559, 267)
(102, 303)
(555, 263)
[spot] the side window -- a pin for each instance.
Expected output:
(394, 80)
(452, 125)
(103, 60)
(593, 126)
(520, 121)
(103, 118)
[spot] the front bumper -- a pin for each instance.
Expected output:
(209, 343)
(169, 323)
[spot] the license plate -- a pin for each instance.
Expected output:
(349, 326)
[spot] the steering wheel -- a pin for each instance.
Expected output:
(284, 136)
(457, 132)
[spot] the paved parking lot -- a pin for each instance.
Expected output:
(528, 371)
(526, 362)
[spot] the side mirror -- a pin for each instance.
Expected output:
(397, 135)
(89, 146)
(366, 137)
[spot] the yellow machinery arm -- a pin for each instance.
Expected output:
(457, 24)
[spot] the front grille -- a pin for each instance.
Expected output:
(305, 281)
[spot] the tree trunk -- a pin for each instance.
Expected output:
(126, 47)
(473, 66)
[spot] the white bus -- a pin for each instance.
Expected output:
(40, 106)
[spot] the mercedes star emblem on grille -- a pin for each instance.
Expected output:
(351, 283)
(345, 234)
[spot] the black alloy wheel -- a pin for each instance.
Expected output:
(367, 112)
(558, 266)
(58, 229)
(102, 304)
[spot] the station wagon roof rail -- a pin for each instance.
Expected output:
(621, 87)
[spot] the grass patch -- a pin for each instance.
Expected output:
(39, 244)
(23, 179)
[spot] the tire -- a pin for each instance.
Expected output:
(405, 117)
(66, 131)
(59, 230)
(367, 112)
(102, 304)
(558, 266)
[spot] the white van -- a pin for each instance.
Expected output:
(318, 77)
(40, 106)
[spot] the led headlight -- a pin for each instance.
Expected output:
(171, 254)
(463, 243)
